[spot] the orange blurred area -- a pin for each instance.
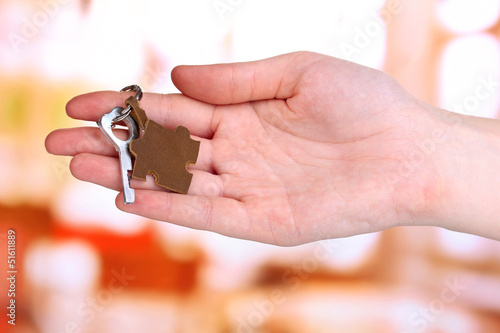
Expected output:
(83, 266)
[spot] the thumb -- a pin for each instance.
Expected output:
(233, 83)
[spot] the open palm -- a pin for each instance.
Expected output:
(294, 149)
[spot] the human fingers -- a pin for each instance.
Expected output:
(73, 141)
(232, 83)
(169, 110)
(218, 214)
(105, 171)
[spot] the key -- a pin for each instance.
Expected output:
(106, 124)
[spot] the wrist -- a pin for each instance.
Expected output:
(468, 176)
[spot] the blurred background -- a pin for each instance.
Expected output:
(83, 266)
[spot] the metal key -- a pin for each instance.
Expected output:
(106, 124)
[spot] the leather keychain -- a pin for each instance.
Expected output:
(159, 151)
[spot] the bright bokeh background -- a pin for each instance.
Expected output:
(83, 266)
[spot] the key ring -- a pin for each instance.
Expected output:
(138, 96)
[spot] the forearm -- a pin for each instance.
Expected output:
(470, 175)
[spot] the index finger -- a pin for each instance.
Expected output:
(169, 110)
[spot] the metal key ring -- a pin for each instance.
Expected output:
(136, 88)
(128, 109)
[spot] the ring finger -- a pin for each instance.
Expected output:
(105, 171)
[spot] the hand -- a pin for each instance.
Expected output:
(294, 149)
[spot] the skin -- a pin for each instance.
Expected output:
(303, 147)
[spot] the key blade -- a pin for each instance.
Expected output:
(128, 195)
(125, 166)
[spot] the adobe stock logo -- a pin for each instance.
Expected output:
(88, 310)
(223, 7)
(372, 29)
(291, 281)
(30, 27)
(415, 160)
(424, 316)
(486, 88)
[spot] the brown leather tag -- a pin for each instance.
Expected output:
(164, 154)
